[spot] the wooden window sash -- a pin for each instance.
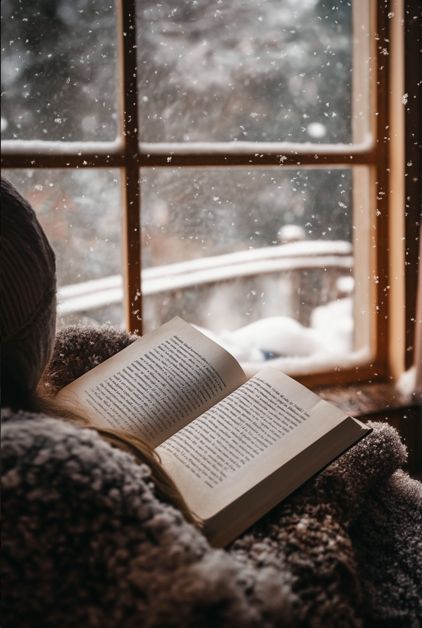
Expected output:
(131, 196)
(129, 154)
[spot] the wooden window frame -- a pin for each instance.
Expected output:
(130, 155)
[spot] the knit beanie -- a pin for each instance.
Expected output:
(28, 287)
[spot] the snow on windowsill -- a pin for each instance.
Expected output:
(256, 148)
(309, 364)
(40, 147)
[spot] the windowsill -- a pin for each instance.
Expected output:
(384, 402)
(365, 399)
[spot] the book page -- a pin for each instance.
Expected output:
(158, 384)
(244, 438)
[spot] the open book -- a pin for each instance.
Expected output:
(234, 447)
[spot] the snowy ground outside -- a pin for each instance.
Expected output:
(282, 342)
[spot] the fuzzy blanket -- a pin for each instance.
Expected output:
(87, 542)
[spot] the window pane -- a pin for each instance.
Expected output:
(197, 212)
(80, 212)
(254, 70)
(58, 78)
(224, 248)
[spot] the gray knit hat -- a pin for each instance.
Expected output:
(28, 286)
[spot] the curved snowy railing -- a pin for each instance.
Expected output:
(334, 258)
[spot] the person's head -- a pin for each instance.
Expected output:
(28, 322)
(28, 298)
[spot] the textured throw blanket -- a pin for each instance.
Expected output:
(86, 542)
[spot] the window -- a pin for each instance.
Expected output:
(247, 144)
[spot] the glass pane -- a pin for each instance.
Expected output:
(80, 212)
(58, 78)
(254, 70)
(227, 248)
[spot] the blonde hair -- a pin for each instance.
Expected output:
(42, 401)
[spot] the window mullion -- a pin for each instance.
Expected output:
(269, 154)
(131, 179)
(52, 160)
